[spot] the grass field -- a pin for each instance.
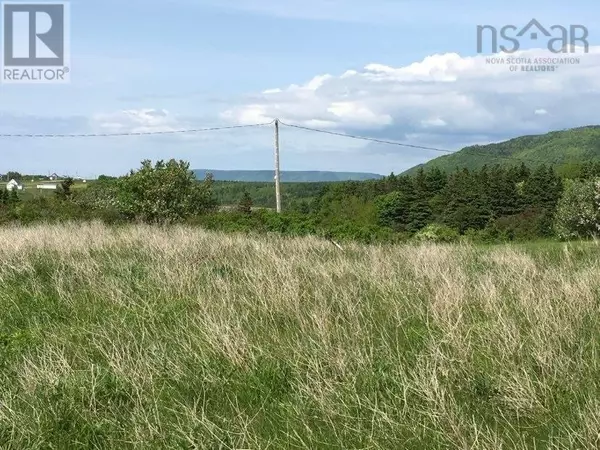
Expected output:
(138, 337)
(30, 189)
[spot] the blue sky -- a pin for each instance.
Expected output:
(401, 70)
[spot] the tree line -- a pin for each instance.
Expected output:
(494, 203)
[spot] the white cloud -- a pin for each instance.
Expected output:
(444, 98)
(251, 114)
(136, 121)
(433, 123)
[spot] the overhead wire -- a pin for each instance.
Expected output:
(130, 133)
(467, 150)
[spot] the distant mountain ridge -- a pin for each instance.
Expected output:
(286, 176)
(558, 148)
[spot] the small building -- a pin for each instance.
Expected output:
(12, 185)
(48, 186)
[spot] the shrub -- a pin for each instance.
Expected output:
(437, 233)
(578, 211)
(165, 192)
(528, 225)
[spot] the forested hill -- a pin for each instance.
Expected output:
(558, 148)
(286, 176)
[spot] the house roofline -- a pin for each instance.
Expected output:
(538, 25)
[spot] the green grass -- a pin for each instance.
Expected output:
(139, 337)
(30, 188)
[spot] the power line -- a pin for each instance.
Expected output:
(364, 138)
(141, 133)
(467, 151)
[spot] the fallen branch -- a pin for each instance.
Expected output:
(336, 244)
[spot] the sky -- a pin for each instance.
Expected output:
(401, 70)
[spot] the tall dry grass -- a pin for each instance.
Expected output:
(140, 337)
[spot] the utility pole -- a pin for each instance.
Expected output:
(277, 173)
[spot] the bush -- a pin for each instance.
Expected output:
(578, 211)
(165, 192)
(48, 210)
(437, 233)
(529, 225)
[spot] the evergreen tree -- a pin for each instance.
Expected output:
(555, 189)
(535, 188)
(541, 194)
(393, 210)
(466, 203)
(419, 211)
(64, 189)
(391, 182)
(543, 189)
(502, 192)
(436, 181)
(245, 204)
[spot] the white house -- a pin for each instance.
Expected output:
(12, 185)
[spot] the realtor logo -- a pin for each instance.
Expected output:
(559, 39)
(35, 42)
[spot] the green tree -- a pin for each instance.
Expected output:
(419, 212)
(13, 176)
(64, 191)
(436, 181)
(393, 210)
(245, 204)
(165, 192)
(578, 211)
(303, 207)
(502, 193)
(467, 205)
(106, 178)
(541, 193)
(543, 189)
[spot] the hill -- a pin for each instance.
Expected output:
(286, 176)
(558, 148)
